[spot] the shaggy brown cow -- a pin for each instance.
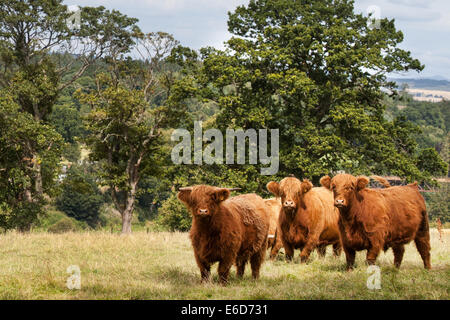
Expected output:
(226, 230)
(307, 219)
(274, 243)
(376, 219)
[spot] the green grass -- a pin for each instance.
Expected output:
(162, 266)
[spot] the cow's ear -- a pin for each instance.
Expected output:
(274, 187)
(325, 181)
(221, 195)
(306, 186)
(184, 196)
(361, 182)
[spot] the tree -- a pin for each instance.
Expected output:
(438, 203)
(314, 70)
(23, 142)
(129, 112)
(80, 197)
(31, 30)
(67, 121)
(429, 161)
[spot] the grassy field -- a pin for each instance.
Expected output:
(162, 266)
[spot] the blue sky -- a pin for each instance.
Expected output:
(199, 23)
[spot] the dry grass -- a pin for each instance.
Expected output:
(162, 266)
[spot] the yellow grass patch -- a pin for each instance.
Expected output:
(162, 266)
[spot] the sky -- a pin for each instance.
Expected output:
(200, 23)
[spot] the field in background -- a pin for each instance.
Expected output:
(161, 266)
(429, 95)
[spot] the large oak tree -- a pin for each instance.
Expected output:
(316, 70)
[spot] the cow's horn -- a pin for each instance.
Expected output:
(185, 189)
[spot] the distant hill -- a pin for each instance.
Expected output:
(428, 84)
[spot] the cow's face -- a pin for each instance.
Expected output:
(345, 188)
(291, 191)
(202, 200)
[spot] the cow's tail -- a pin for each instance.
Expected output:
(382, 181)
(424, 225)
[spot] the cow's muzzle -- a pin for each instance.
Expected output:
(340, 203)
(289, 209)
(202, 212)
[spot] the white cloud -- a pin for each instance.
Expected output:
(413, 3)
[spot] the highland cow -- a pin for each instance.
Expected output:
(376, 219)
(274, 243)
(226, 230)
(308, 219)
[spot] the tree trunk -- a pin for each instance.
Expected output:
(38, 176)
(127, 215)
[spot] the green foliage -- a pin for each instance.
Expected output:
(64, 225)
(109, 217)
(305, 72)
(429, 161)
(56, 221)
(80, 197)
(123, 138)
(19, 215)
(32, 79)
(432, 121)
(130, 110)
(173, 215)
(438, 203)
(50, 217)
(71, 152)
(152, 191)
(25, 144)
(432, 118)
(67, 122)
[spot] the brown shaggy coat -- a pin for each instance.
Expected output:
(307, 218)
(274, 243)
(226, 230)
(376, 219)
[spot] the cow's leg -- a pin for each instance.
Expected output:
(373, 251)
(275, 248)
(224, 269)
(423, 246)
(255, 261)
(310, 245)
(270, 243)
(322, 250)
(205, 268)
(399, 250)
(337, 248)
(240, 265)
(289, 250)
(350, 257)
(422, 241)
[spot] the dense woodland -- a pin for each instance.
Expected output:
(86, 115)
